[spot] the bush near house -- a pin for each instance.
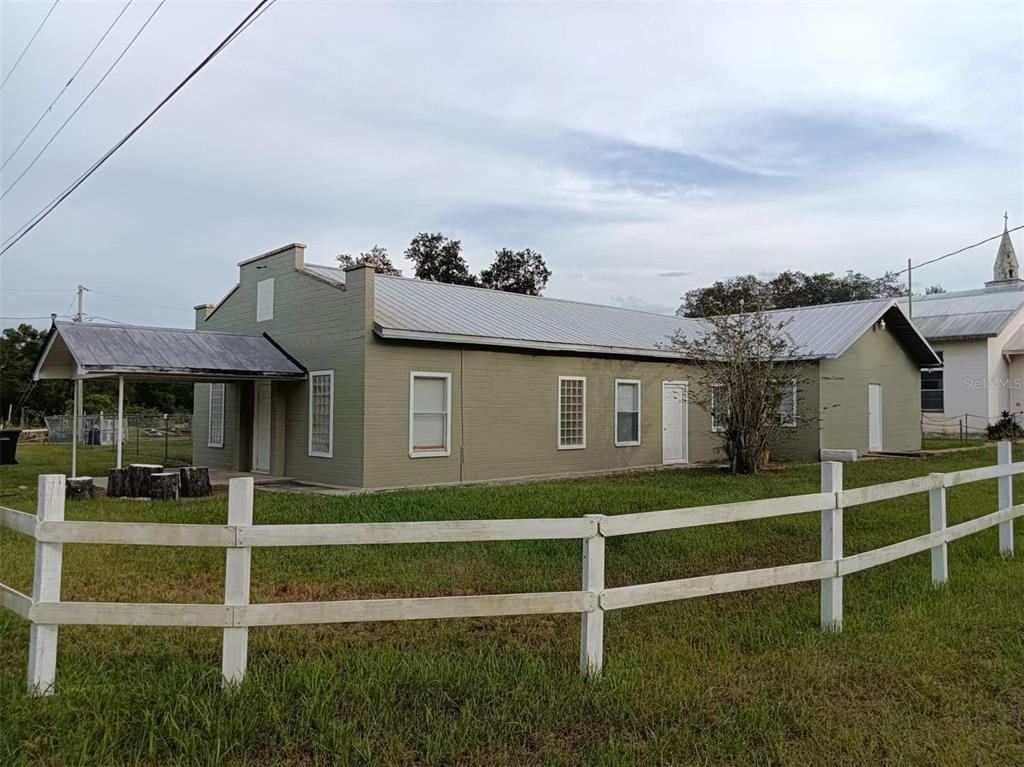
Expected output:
(918, 676)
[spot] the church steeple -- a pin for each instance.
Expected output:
(1006, 270)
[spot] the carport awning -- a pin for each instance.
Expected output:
(83, 350)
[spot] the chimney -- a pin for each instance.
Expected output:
(202, 312)
(359, 281)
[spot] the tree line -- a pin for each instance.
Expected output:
(789, 290)
(439, 259)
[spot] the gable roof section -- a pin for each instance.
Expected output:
(92, 350)
(966, 314)
(431, 311)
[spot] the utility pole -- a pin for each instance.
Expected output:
(910, 290)
(76, 408)
(81, 303)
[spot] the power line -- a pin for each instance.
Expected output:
(82, 103)
(36, 290)
(91, 317)
(255, 13)
(138, 300)
(66, 85)
(28, 45)
(961, 250)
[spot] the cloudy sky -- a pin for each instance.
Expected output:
(643, 149)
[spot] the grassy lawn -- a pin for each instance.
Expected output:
(944, 443)
(918, 676)
(96, 460)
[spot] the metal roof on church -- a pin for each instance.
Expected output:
(965, 314)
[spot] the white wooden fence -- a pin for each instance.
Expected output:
(46, 612)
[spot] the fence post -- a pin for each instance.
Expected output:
(42, 641)
(832, 548)
(237, 571)
(592, 624)
(937, 522)
(1005, 454)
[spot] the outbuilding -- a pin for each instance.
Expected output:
(412, 383)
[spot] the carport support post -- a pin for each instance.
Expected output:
(1005, 454)
(42, 637)
(937, 517)
(76, 417)
(119, 431)
(236, 581)
(832, 547)
(592, 623)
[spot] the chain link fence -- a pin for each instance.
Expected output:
(165, 439)
(968, 427)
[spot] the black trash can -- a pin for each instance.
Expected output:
(9, 445)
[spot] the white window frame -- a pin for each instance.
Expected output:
(717, 427)
(639, 407)
(558, 422)
(265, 300)
(447, 451)
(794, 415)
(330, 416)
(209, 416)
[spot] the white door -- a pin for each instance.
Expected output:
(874, 417)
(674, 397)
(261, 428)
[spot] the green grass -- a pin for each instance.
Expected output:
(918, 676)
(945, 443)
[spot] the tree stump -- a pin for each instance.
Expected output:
(195, 482)
(117, 483)
(163, 486)
(138, 478)
(80, 488)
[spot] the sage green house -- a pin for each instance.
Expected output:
(421, 383)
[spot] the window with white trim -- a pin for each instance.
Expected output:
(430, 418)
(719, 406)
(572, 413)
(788, 405)
(627, 413)
(215, 431)
(321, 413)
(265, 300)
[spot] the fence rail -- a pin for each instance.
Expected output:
(46, 611)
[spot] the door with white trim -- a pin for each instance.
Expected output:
(261, 428)
(674, 417)
(874, 417)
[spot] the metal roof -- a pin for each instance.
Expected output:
(981, 313)
(92, 350)
(406, 308)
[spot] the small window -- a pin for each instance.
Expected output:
(265, 300)
(430, 414)
(932, 386)
(719, 406)
(215, 433)
(627, 413)
(572, 413)
(321, 413)
(788, 405)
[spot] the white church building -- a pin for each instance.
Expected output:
(979, 334)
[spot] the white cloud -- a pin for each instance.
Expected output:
(603, 136)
